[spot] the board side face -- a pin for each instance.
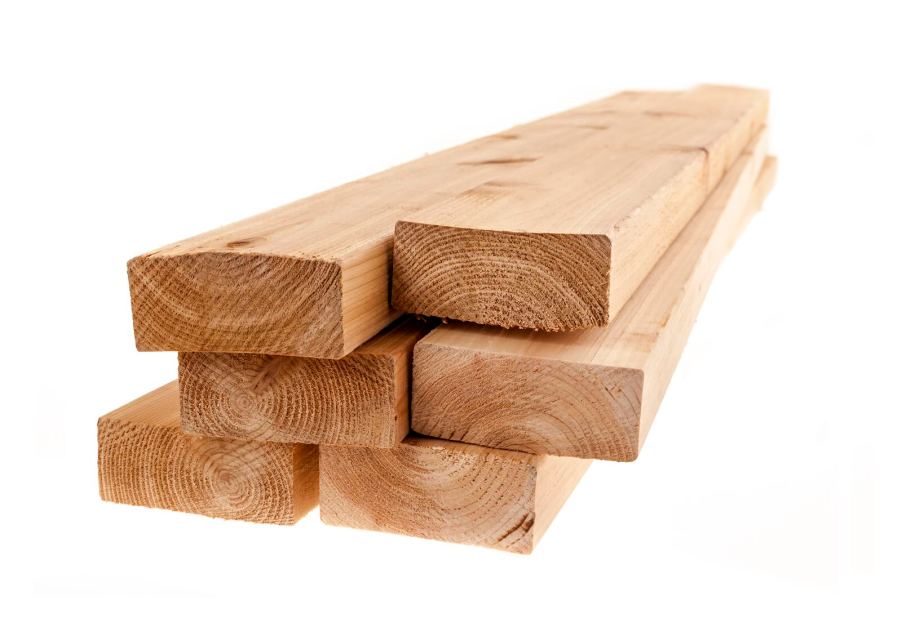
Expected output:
(556, 479)
(736, 117)
(551, 282)
(719, 120)
(721, 139)
(401, 366)
(160, 467)
(237, 302)
(650, 230)
(533, 405)
(432, 489)
(305, 479)
(365, 305)
(767, 178)
(751, 189)
(349, 401)
(670, 298)
(158, 408)
(711, 100)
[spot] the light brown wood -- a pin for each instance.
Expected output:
(448, 491)
(563, 240)
(144, 459)
(312, 278)
(593, 393)
(359, 400)
(719, 120)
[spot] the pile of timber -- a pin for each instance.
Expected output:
(566, 259)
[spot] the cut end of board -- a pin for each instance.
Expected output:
(532, 405)
(144, 459)
(349, 401)
(447, 491)
(432, 489)
(239, 302)
(358, 400)
(550, 282)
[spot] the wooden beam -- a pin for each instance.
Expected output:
(593, 393)
(312, 278)
(561, 242)
(359, 400)
(447, 491)
(144, 459)
(720, 120)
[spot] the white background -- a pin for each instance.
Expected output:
(769, 484)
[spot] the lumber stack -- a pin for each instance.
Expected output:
(441, 349)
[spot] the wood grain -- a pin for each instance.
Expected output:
(447, 491)
(594, 393)
(359, 400)
(312, 278)
(718, 119)
(564, 238)
(144, 459)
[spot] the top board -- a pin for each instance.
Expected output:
(312, 278)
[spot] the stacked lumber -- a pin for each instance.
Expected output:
(566, 259)
(145, 459)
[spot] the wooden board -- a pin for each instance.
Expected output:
(561, 242)
(447, 491)
(594, 393)
(719, 120)
(144, 459)
(359, 400)
(312, 278)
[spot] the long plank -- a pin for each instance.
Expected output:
(447, 491)
(144, 459)
(312, 278)
(590, 394)
(719, 120)
(563, 242)
(359, 400)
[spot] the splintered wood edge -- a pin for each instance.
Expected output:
(532, 405)
(554, 282)
(240, 302)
